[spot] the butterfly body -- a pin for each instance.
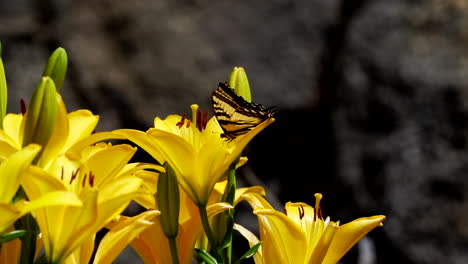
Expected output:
(235, 115)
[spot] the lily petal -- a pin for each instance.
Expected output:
(126, 230)
(11, 170)
(284, 241)
(349, 234)
(253, 240)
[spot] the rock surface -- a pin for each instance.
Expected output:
(372, 96)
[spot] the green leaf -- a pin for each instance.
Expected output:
(250, 253)
(205, 256)
(11, 235)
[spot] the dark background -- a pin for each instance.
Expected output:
(372, 97)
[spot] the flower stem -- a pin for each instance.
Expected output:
(28, 241)
(229, 196)
(206, 225)
(174, 252)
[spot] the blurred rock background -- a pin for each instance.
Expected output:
(372, 97)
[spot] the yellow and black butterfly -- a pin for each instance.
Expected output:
(235, 115)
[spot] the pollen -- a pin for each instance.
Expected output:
(23, 106)
(74, 174)
(301, 212)
(181, 123)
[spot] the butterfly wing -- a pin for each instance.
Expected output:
(235, 115)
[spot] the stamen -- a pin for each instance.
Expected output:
(63, 172)
(194, 108)
(23, 106)
(205, 119)
(91, 179)
(318, 211)
(199, 120)
(202, 120)
(74, 174)
(180, 124)
(301, 212)
(84, 180)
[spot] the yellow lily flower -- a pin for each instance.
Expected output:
(100, 179)
(194, 149)
(145, 234)
(301, 235)
(11, 173)
(69, 129)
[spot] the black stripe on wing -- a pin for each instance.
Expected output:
(235, 115)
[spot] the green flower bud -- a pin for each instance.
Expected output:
(239, 82)
(41, 114)
(56, 67)
(168, 199)
(3, 93)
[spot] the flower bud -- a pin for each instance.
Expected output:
(41, 114)
(168, 199)
(239, 82)
(3, 93)
(56, 67)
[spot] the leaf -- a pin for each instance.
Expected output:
(250, 253)
(11, 235)
(205, 256)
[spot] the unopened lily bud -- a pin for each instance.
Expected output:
(239, 82)
(3, 93)
(56, 67)
(168, 199)
(41, 114)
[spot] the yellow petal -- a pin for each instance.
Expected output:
(11, 170)
(256, 201)
(349, 234)
(122, 234)
(109, 162)
(243, 140)
(174, 149)
(82, 124)
(217, 208)
(253, 240)
(83, 253)
(6, 149)
(259, 190)
(9, 215)
(58, 198)
(142, 140)
(39, 182)
(92, 139)
(12, 127)
(76, 227)
(321, 249)
(283, 240)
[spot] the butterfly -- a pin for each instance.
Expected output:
(235, 115)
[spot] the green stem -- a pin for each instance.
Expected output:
(174, 253)
(206, 225)
(229, 196)
(28, 241)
